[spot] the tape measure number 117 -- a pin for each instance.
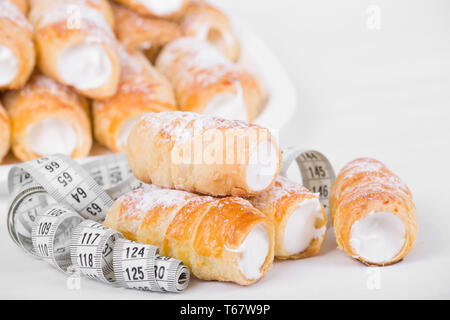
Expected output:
(55, 212)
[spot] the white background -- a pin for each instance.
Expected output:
(383, 93)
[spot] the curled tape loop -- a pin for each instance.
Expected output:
(91, 250)
(316, 170)
(55, 212)
(139, 266)
(50, 235)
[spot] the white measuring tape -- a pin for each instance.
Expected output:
(317, 173)
(56, 206)
(55, 209)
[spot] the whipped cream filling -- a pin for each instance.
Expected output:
(254, 251)
(262, 166)
(52, 135)
(378, 237)
(85, 65)
(162, 7)
(124, 132)
(9, 65)
(300, 228)
(228, 105)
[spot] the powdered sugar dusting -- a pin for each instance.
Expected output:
(362, 165)
(40, 83)
(65, 11)
(282, 188)
(139, 202)
(174, 124)
(368, 165)
(199, 121)
(385, 182)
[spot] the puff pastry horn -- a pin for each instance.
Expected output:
(203, 154)
(17, 52)
(373, 214)
(300, 219)
(47, 118)
(206, 81)
(76, 45)
(208, 23)
(219, 239)
(137, 32)
(5, 133)
(142, 89)
(167, 9)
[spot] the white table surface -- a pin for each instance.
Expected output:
(383, 93)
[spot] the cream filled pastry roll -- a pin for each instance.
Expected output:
(137, 32)
(76, 45)
(223, 239)
(205, 81)
(373, 214)
(142, 89)
(5, 132)
(48, 118)
(167, 9)
(207, 23)
(17, 52)
(204, 154)
(300, 219)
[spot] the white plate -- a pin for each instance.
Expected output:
(258, 59)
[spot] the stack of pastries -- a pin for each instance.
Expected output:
(215, 199)
(73, 72)
(158, 79)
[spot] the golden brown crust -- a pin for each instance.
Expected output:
(42, 98)
(137, 32)
(177, 157)
(199, 230)
(52, 38)
(142, 89)
(139, 7)
(199, 73)
(5, 132)
(278, 203)
(363, 186)
(16, 33)
(208, 23)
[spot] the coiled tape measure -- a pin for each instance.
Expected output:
(57, 205)
(55, 212)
